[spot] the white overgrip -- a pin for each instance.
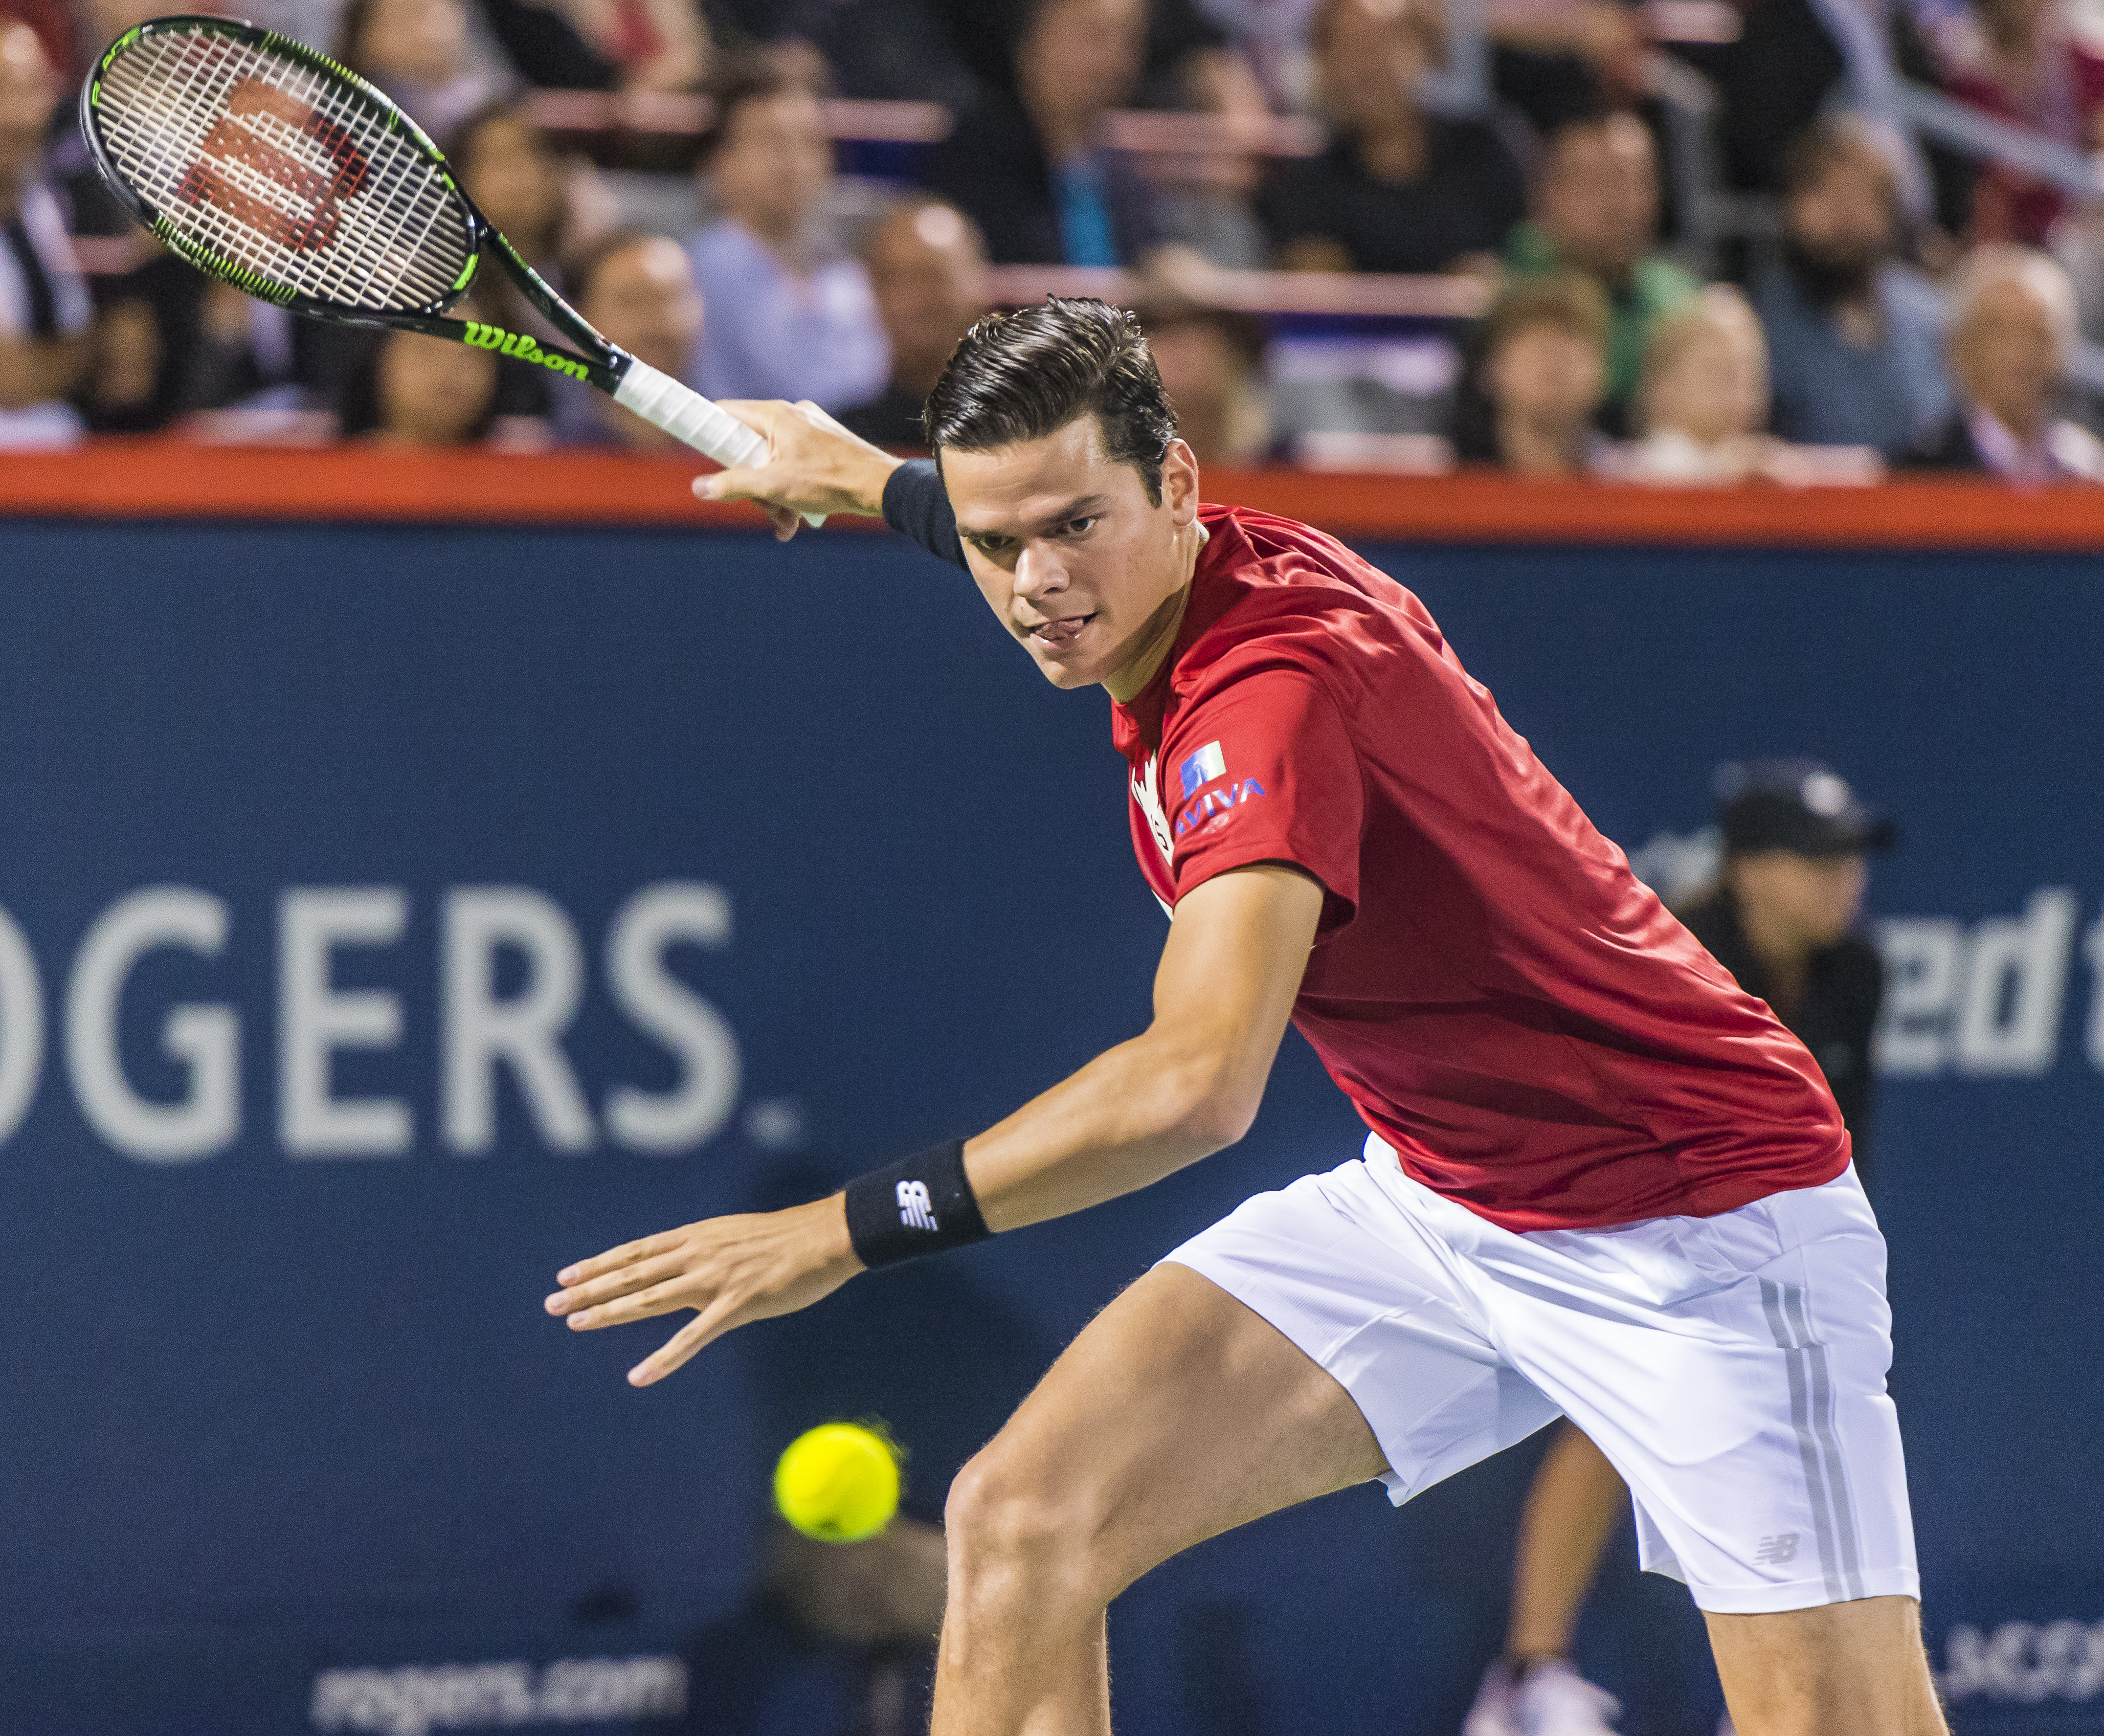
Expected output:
(688, 417)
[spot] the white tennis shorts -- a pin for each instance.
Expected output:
(1732, 1369)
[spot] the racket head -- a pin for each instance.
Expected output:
(271, 167)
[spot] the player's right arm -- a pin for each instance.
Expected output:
(1186, 1086)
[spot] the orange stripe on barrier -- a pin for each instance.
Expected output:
(175, 479)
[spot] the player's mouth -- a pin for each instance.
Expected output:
(1056, 636)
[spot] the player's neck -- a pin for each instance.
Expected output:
(1130, 679)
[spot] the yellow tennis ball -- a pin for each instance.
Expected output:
(838, 1483)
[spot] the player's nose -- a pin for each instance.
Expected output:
(1038, 574)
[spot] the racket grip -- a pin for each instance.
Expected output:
(686, 415)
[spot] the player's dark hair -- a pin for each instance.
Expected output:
(1021, 376)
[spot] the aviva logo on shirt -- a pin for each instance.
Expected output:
(1204, 767)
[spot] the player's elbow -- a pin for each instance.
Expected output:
(1226, 1118)
(1214, 1096)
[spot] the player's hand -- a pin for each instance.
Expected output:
(814, 465)
(730, 1270)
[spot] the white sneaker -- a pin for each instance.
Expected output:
(1493, 1714)
(1554, 1700)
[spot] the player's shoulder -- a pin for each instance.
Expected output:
(1276, 599)
(1262, 578)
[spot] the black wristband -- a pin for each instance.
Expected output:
(917, 505)
(920, 1205)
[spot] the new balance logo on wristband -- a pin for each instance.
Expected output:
(892, 1211)
(916, 1211)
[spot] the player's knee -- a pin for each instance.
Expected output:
(1015, 1528)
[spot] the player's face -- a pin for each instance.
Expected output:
(1084, 570)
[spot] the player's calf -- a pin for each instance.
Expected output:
(1847, 1669)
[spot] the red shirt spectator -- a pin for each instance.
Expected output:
(2020, 61)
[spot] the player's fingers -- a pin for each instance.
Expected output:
(671, 1353)
(727, 1311)
(738, 482)
(625, 1281)
(785, 520)
(614, 1258)
(759, 414)
(677, 1292)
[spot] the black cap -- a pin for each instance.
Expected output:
(1800, 805)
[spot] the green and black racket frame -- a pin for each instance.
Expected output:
(271, 167)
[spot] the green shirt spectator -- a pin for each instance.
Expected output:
(1597, 215)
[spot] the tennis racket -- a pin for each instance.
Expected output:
(271, 167)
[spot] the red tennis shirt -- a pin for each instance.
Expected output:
(1504, 1001)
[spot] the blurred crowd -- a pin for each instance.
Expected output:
(1876, 303)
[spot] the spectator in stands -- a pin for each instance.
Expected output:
(2019, 61)
(1536, 380)
(509, 168)
(408, 390)
(1793, 61)
(1031, 169)
(790, 314)
(512, 171)
(1596, 213)
(928, 268)
(639, 291)
(1702, 399)
(421, 54)
(1856, 334)
(123, 393)
(1211, 363)
(1398, 190)
(44, 307)
(252, 355)
(2012, 328)
(651, 45)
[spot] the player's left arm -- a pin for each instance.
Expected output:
(1188, 1085)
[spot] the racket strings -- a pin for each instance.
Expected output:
(282, 172)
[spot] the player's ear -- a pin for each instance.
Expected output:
(1180, 483)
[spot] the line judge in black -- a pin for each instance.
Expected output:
(1781, 918)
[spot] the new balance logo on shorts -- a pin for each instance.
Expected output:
(1774, 1550)
(916, 1211)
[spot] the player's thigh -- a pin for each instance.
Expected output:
(1852, 1669)
(1180, 1413)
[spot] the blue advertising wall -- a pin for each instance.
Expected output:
(394, 914)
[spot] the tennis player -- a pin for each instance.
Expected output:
(1600, 1181)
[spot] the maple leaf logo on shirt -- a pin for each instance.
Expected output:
(1148, 796)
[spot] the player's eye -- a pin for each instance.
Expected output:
(1076, 527)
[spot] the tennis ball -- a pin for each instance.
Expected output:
(838, 1483)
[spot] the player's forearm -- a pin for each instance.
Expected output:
(1135, 1114)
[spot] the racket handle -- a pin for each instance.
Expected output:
(686, 415)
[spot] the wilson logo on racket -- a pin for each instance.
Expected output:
(316, 186)
(520, 345)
